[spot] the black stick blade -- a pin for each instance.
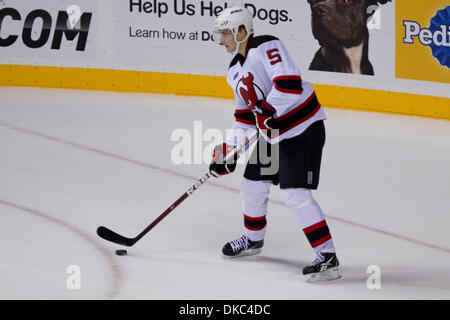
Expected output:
(112, 236)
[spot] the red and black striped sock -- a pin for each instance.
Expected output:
(255, 227)
(318, 235)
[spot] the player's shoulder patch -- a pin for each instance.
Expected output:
(259, 40)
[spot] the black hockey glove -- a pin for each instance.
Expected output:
(264, 112)
(218, 166)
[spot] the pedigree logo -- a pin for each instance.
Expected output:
(437, 36)
(423, 44)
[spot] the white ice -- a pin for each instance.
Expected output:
(71, 161)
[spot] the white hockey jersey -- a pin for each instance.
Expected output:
(268, 72)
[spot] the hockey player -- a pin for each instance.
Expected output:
(271, 96)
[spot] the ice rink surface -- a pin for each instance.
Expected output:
(71, 161)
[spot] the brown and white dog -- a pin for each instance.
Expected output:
(340, 26)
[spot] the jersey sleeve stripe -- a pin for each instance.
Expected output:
(312, 100)
(300, 119)
(298, 115)
(249, 122)
(288, 84)
(245, 116)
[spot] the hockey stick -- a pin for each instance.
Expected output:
(112, 236)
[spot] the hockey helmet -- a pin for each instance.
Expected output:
(231, 19)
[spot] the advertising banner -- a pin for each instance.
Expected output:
(165, 46)
(175, 35)
(342, 32)
(64, 29)
(331, 36)
(423, 40)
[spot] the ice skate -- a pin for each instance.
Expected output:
(324, 267)
(242, 247)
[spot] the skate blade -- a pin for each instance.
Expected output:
(249, 252)
(330, 274)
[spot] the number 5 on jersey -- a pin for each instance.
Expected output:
(273, 56)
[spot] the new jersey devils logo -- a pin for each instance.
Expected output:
(249, 91)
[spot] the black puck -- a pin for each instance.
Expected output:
(121, 252)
